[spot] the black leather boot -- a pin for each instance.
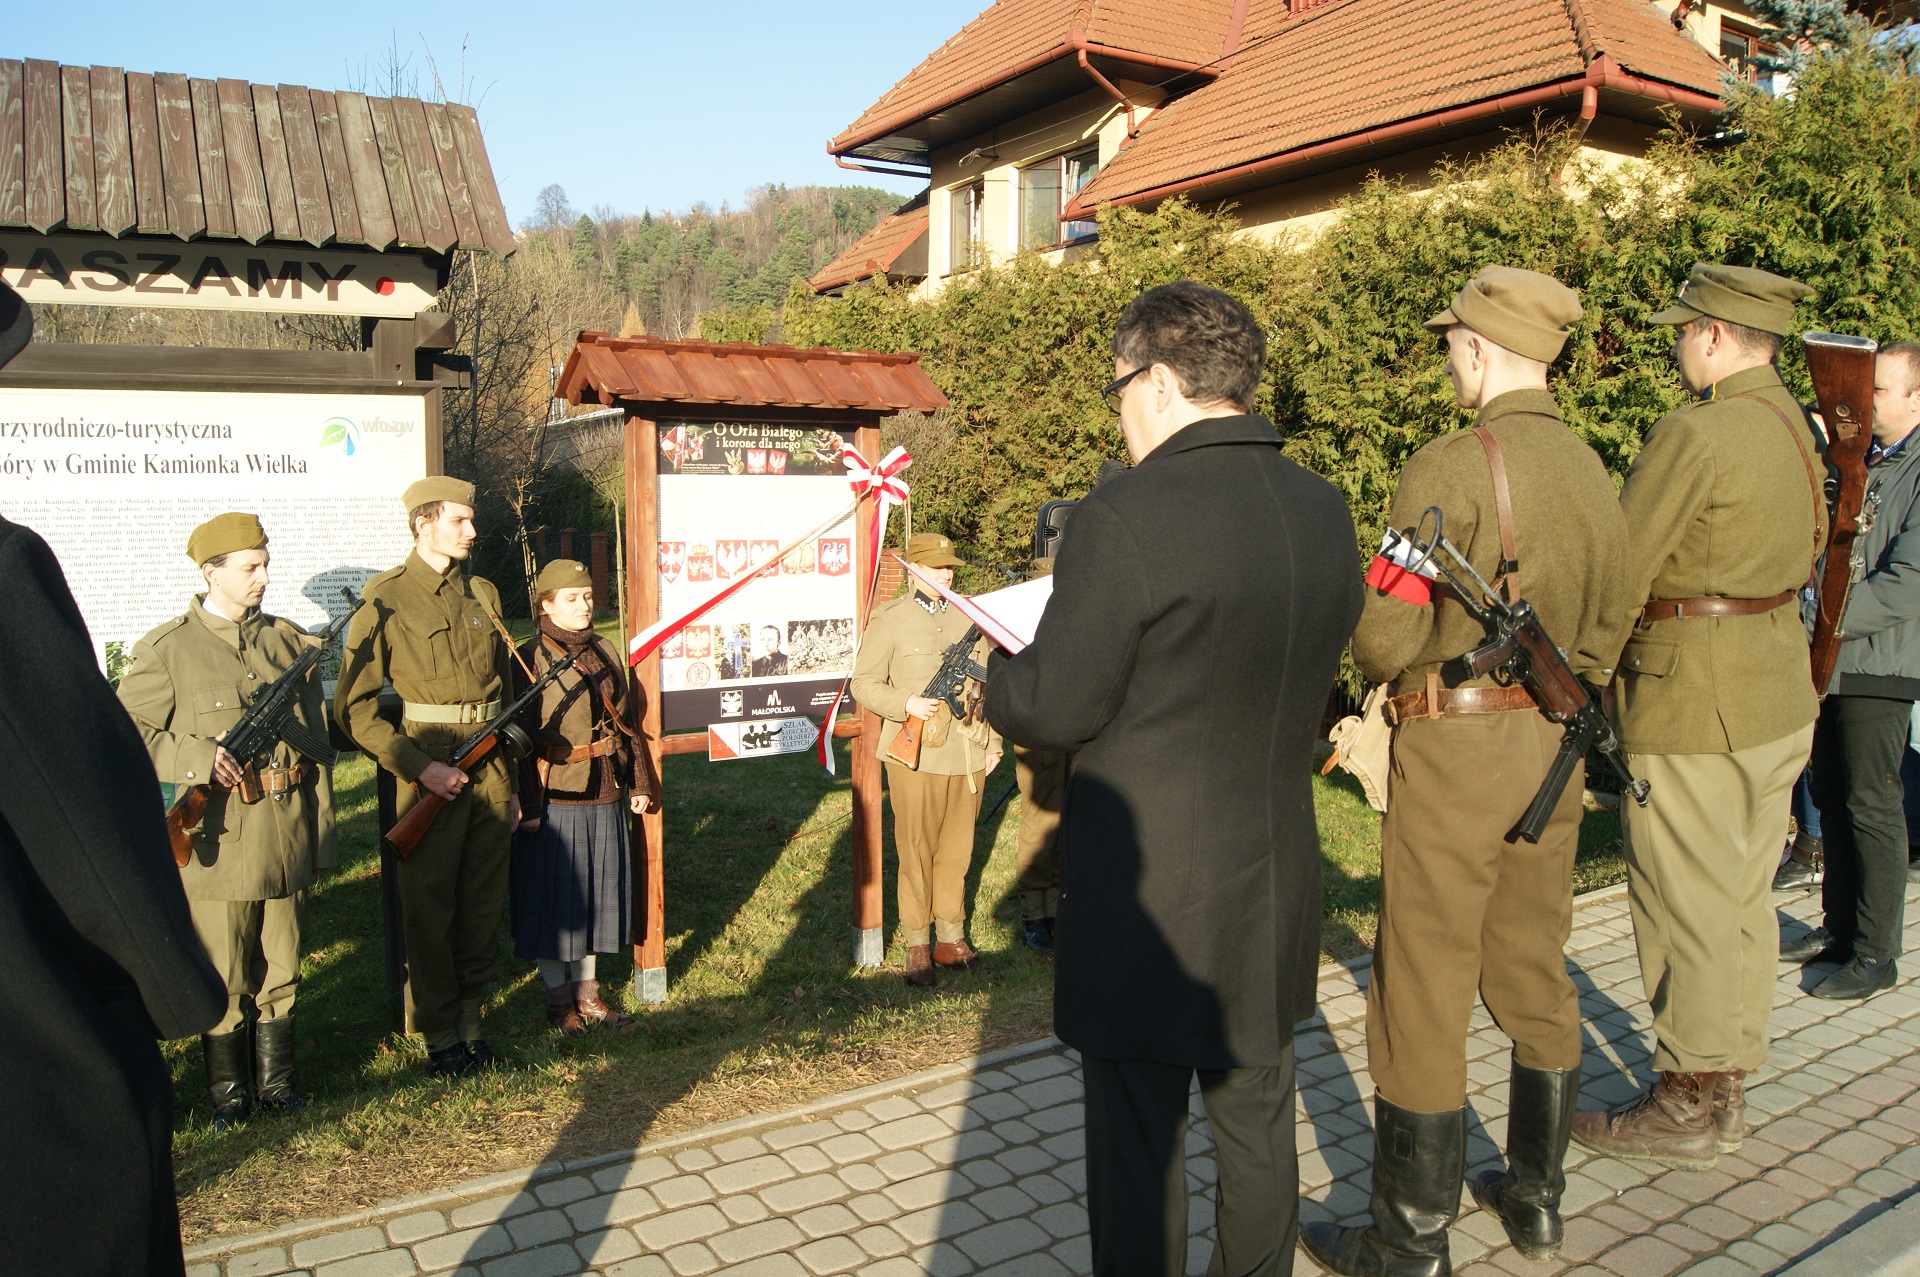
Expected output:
(1418, 1162)
(226, 1056)
(1526, 1199)
(273, 1065)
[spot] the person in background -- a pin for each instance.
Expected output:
(572, 880)
(189, 681)
(1861, 734)
(1801, 869)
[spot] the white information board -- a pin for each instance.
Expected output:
(116, 479)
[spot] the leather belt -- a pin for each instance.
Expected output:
(1712, 605)
(278, 781)
(1458, 700)
(581, 753)
(478, 712)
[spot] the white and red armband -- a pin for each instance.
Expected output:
(1402, 571)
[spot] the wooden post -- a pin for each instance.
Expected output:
(642, 444)
(869, 939)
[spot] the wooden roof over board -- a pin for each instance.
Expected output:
(649, 370)
(127, 153)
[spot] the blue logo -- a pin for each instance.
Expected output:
(342, 431)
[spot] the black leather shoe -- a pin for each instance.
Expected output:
(1418, 1161)
(1815, 946)
(1796, 875)
(1038, 934)
(273, 1065)
(226, 1056)
(485, 1058)
(1526, 1199)
(452, 1061)
(1859, 980)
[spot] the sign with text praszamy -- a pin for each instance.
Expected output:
(90, 270)
(730, 496)
(116, 479)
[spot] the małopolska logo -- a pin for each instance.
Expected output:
(341, 431)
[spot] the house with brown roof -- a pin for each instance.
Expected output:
(1038, 112)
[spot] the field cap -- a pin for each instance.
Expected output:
(1741, 295)
(226, 534)
(439, 487)
(931, 550)
(1526, 312)
(563, 574)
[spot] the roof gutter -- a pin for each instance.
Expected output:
(1133, 129)
(1604, 73)
(884, 172)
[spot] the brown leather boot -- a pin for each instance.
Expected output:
(1672, 1124)
(562, 1016)
(955, 955)
(920, 966)
(587, 1001)
(1730, 1109)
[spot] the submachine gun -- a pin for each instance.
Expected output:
(950, 684)
(267, 721)
(502, 732)
(1518, 650)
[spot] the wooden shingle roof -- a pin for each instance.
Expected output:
(127, 153)
(649, 370)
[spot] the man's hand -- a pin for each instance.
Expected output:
(922, 706)
(515, 811)
(993, 761)
(226, 768)
(444, 780)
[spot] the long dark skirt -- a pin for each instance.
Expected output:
(572, 883)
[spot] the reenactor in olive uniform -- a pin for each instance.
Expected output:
(1041, 775)
(1465, 907)
(428, 628)
(1726, 514)
(246, 882)
(935, 805)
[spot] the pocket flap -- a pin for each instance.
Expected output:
(1650, 656)
(422, 626)
(213, 701)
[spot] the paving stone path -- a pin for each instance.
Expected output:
(979, 1168)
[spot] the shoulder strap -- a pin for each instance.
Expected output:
(1507, 575)
(1819, 494)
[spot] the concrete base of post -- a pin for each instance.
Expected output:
(650, 985)
(869, 950)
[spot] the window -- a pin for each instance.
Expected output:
(968, 226)
(1045, 189)
(1742, 47)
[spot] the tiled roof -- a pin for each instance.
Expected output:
(125, 153)
(1013, 36)
(648, 370)
(1343, 68)
(875, 252)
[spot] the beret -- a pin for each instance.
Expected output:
(439, 487)
(1741, 295)
(563, 574)
(226, 534)
(931, 550)
(1526, 312)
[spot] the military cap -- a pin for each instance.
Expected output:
(1522, 310)
(439, 487)
(563, 574)
(931, 550)
(226, 534)
(1738, 294)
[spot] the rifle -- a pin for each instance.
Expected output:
(1842, 369)
(412, 827)
(267, 720)
(1518, 650)
(947, 684)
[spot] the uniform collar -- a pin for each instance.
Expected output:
(1530, 402)
(230, 632)
(1210, 432)
(430, 579)
(931, 605)
(1765, 377)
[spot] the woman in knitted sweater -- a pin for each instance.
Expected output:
(571, 876)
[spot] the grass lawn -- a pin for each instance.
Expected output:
(763, 1010)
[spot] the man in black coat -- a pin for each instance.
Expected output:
(1198, 614)
(98, 950)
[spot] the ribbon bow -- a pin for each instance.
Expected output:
(882, 480)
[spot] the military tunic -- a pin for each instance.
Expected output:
(429, 634)
(1716, 712)
(934, 807)
(1462, 907)
(188, 682)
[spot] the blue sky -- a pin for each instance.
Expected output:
(647, 104)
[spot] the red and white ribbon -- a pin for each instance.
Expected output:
(884, 484)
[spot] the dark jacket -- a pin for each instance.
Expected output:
(98, 951)
(1200, 605)
(1880, 635)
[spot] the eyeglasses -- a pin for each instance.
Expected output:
(1110, 393)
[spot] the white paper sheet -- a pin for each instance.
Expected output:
(1009, 617)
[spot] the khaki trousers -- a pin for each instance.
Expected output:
(933, 837)
(255, 946)
(1700, 862)
(1463, 909)
(453, 891)
(1042, 777)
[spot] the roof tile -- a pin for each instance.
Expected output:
(648, 370)
(875, 252)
